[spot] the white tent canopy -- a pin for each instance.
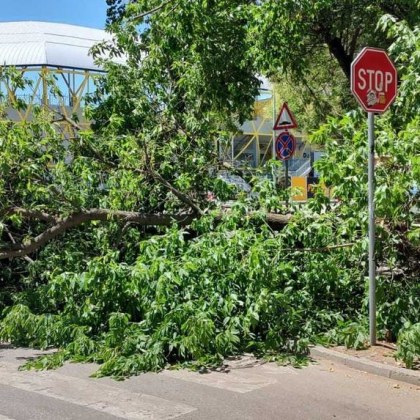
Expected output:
(30, 43)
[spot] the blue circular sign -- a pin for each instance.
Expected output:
(285, 145)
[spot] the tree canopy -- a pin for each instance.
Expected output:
(112, 251)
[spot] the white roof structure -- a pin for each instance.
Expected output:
(266, 89)
(30, 43)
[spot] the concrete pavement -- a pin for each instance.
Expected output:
(250, 390)
(396, 373)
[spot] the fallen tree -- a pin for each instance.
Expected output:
(62, 224)
(134, 300)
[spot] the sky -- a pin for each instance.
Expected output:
(90, 13)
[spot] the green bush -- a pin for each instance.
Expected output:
(237, 286)
(409, 346)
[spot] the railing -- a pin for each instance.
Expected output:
(299, 167)
(53, 100)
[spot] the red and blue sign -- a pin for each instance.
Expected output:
(285, 145)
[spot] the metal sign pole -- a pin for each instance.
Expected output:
(287, 182)
(372, 269)
(374, 96)
(274, 137)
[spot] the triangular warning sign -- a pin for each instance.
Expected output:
(285, 119)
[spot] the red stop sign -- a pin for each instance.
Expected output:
(374, 80)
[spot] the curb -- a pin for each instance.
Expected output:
(399, 374)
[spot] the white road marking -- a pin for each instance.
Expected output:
(5, 418)
(274, 369)
(92, 394)
(241, 380)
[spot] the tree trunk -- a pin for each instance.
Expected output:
(61, 225)
(343, 58)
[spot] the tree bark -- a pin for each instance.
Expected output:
(77, 219)
(344, 59)
(61, 225)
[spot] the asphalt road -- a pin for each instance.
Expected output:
(249, 390)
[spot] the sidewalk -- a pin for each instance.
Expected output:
(366, 365)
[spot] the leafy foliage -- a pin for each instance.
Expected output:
(135, 298)
(397, 180)
(409, 345)
(347, 333)
(231, 289)
(296, 31)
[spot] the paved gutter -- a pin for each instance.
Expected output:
(366, 365)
